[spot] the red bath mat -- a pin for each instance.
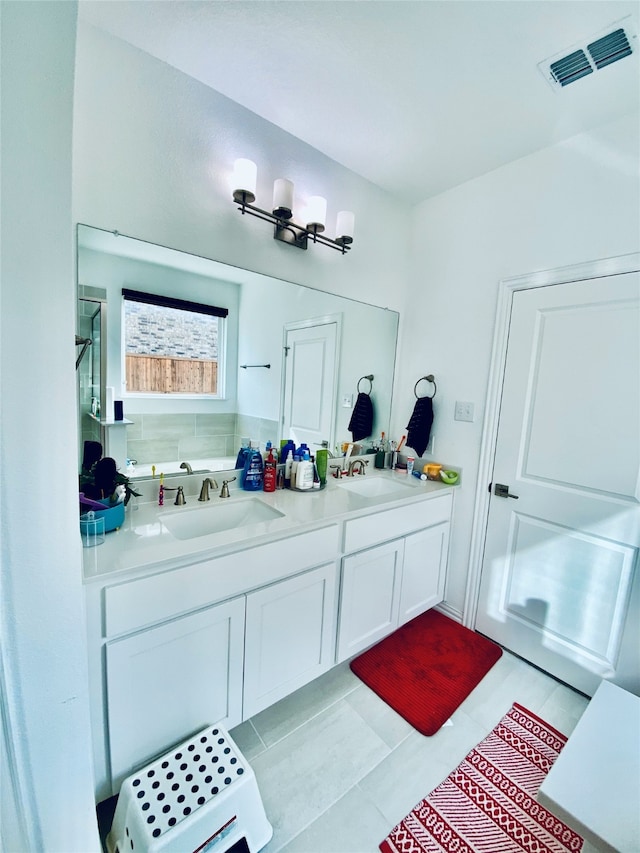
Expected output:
(488, 802)
(426, 668)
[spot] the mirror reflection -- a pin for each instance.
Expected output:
(290, 361)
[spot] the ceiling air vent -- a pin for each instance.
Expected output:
(571, 68)
(616, 42)
(609, 49)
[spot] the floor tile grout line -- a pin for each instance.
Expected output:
(304, 722)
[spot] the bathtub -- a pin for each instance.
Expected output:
(169, 469)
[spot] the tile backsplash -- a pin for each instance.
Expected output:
(157, 438)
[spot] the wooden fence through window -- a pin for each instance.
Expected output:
(155, 374)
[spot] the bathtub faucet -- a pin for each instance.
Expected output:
(187, 466)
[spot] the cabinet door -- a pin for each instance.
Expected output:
(423, 571)
(370, 597)
(290, 636)
(167, 682)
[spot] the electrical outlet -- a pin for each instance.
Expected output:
(463, 411)
(347, 401)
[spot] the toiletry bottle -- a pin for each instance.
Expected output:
(304, 473)
(267, 451)
(270, 473)
(253, 470)
(316, 474)
(287, 446)
(288, 463)
(410, 461)
(242, 454)
(294, 469)
(380, 453)
(321, 465)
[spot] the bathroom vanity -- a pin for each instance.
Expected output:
(248, 599)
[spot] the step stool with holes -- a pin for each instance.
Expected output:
(200, 796)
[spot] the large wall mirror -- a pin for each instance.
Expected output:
(292, 360)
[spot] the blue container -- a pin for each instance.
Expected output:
(113, 515)
(253, 473)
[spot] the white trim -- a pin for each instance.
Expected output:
(578, 272)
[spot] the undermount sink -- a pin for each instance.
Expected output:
(191, 523)
(372, 487)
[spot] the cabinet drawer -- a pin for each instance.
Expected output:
(382, 526)
(133, 605)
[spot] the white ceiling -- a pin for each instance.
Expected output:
(416, 96)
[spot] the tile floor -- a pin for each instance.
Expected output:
(337, 768)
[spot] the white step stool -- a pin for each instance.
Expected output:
(200, 796)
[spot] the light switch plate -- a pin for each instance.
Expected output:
(463, 411)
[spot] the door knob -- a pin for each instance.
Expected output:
(502, 491)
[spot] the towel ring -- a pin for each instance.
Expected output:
(370, 378)
(428, 378)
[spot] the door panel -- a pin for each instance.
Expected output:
(310, 383)
(167, 682)
(560, 567)
(370, 597)
(290, 636)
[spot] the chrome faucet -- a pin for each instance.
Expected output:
(357, 463)
(179, 501)
(224, 492)
(204, 490)
(188, 467)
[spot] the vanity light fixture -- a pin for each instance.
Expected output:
(244, 194)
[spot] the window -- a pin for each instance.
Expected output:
(172, 346)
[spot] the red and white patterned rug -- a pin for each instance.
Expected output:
(487, 804)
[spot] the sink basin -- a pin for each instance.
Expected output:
(372, 487)
(191, 523)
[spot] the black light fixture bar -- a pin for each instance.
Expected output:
(281, 213)
(286, 230)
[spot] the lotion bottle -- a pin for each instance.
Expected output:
(288, 463)
(304, 473)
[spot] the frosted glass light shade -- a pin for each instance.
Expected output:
(345, 225)
(316, 213)
(244, 179)
(283, 198)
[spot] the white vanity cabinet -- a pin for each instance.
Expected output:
(181, 639)
(423, 570)
(290, 636)
(387, 585)
(167, 682)
(370, 597)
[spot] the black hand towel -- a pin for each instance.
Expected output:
(419, 426)
(361, 423)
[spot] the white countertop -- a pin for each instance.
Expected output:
(144, 541)
(594, 785)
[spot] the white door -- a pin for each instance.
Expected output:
(559, 582)
(310, 383)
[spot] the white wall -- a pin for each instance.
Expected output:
(152, 160)
(153, 154)
(47, 783)
(573, 202)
